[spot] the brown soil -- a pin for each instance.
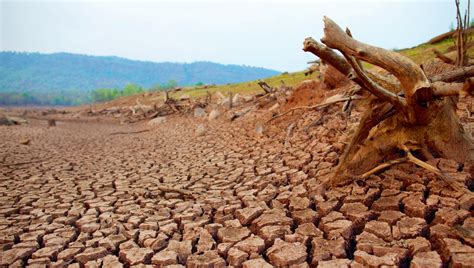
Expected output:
(224, 195)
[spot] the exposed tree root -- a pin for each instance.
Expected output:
(414, 110)
(381, 167)
(450, 181)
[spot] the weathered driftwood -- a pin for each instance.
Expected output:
(268, 89)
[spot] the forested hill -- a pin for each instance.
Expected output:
(35, 72)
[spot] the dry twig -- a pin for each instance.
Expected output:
(317, 106)
(449, 180)
(130, 132)
(381, 167)
(22, 163)
(179, 191)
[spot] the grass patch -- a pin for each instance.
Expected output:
(418, 54)
(244, 88)
(424, 52)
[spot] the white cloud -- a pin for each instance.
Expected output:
(258, 33)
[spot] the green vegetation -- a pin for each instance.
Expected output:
(424, 51)
(68, 98)
(107, 94)
(55, 98)
(419, 54)
(245, 88)
(37, 72)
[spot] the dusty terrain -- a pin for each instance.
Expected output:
(212, 193)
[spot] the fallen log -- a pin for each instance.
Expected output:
(447, 35)
(442, 57)
(268, 89)
(455, 75)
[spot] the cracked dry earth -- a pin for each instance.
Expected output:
(100, 200)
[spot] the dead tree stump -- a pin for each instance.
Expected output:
(414, 116)
(51, 123)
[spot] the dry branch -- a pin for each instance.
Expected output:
(183, 192)
(231, 100)
(447, 35)
(129, 132)
(443, 89)
(327, 55)
(413, 80)
(450, 181)
(398, 102)
(317, 106)
(381, 167)
(330, 57)
(268, 89)
(349, 33)
(442, 57)
(455, 75)
(461, 38)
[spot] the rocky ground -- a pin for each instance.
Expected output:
(198, 193)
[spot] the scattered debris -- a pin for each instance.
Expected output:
(128, 132)
(214, 114)
(200, 130)
(238, 197)
(25, 141)
(157, 121)
(199, 112)
(51, 123)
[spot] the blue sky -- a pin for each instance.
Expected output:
(258, 33)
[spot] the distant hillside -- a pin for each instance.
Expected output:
(35, 72)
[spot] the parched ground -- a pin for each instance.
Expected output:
(229, 197)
